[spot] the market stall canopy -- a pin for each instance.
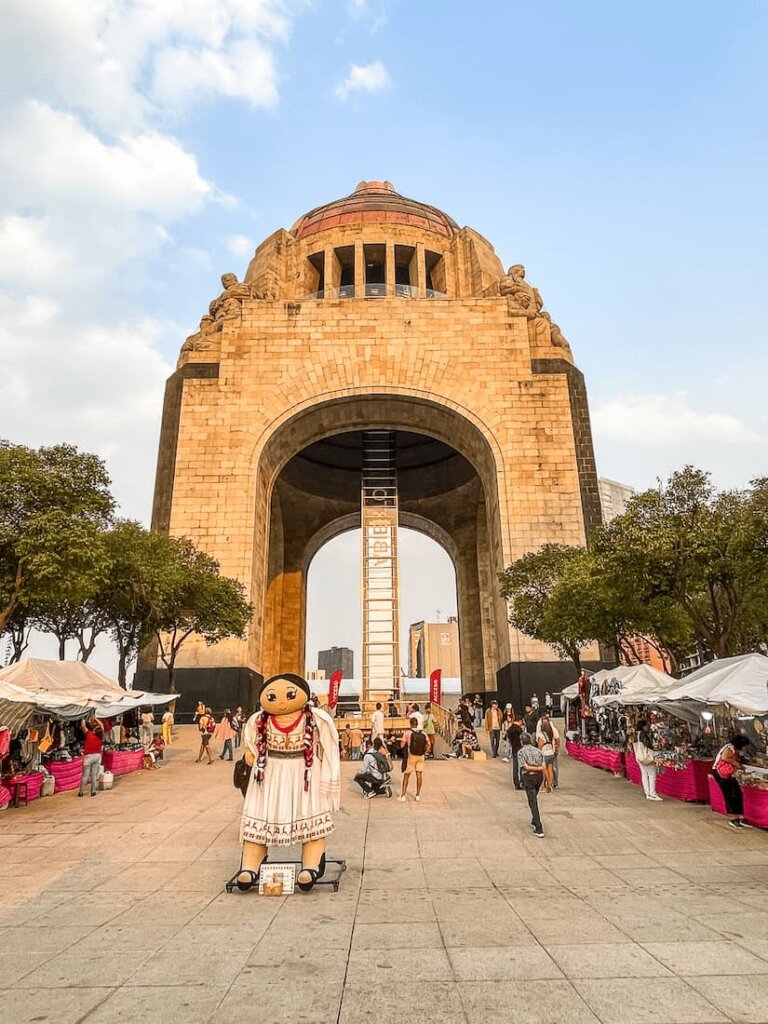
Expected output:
(740, 682)
(572, 691)
(68, 689)
(638, 684)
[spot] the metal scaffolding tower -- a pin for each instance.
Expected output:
(379, 516)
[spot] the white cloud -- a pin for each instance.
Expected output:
(364, 78)
(244, 70)
(240, 245)
(64, 382)
(666, 419)
(27, 252)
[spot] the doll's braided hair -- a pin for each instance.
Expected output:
(261, 729)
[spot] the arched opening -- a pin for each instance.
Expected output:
(310, 478)
(428, 595)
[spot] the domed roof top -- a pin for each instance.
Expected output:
(374, 202)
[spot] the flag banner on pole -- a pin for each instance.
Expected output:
(333, 690)
(436, 686)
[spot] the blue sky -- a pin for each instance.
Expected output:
(618, 151)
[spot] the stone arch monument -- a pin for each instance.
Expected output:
(374, 316)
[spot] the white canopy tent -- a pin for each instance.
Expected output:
(639, 684)
(68, 689)
(740, 682)
(573, 690)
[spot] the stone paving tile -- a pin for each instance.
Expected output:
(75, 970)
(743, 999)
(21, 940)
(542, 1002)
(595, 960)
(435, 1003)
(416, 967)
(502, 963)
(172, 1005)
(638, 1001)
(570, 930)
(702, 958)
(25, 1005)
(391, 935)
(272, 995)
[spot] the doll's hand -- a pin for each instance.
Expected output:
(249, 758)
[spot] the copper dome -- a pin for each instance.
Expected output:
(374, 202)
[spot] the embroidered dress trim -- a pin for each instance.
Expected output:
(265, 833)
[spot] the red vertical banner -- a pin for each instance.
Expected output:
(334, 689)
(436, 687)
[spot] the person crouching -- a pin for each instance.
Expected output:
(374, 777)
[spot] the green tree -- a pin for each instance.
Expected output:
(193, 597)
(64, 580)
(702, 550)
(45, 495)
(548, 599)
(132, 595)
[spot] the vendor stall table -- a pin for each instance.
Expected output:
(597, 757)
(632, 768)
(755, 803)
(26, 786)
(689, 783)
(5, 795)
(120, 762)
(66, 774)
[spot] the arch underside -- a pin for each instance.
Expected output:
(443, 493)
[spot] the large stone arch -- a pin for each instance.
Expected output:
(455, 503)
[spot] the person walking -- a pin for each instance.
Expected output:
(493, 726)
(430, 729)
(374, 777)
(507, 719)
(377, 723)
(415, 742)
(147, 729)
(514, 738)
(238, 721)
(727, 763)
(531, 718)
(93, 741)
(643, 751)
(548, 741)
(225, 733)
(355, 743)
(478, 711)
(206, 726)
(167, 722)
(530, 761)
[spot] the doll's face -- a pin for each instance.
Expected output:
(282, 697)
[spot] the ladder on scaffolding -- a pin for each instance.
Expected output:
(379, 518)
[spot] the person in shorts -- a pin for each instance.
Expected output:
(206, 725)
(416, 743)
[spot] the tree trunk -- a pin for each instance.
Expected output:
(122, 665)
(62, 647)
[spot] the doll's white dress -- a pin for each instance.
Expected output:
(280, 811)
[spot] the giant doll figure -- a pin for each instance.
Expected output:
(295, 782)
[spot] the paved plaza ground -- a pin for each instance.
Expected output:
(113, 908)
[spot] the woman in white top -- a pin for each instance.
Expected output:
(548, 742)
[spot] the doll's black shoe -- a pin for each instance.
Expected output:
(244, 884)
(321, 867)
(313, 877)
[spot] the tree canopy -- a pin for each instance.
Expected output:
(683, 563)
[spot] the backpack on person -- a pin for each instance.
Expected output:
(417, 744)
(210, 724)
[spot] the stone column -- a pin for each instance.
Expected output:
(359, 271)
(421, 271)
(332, 273)
(390, 269)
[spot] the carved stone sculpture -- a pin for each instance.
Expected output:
(229, 304)
(514, 285)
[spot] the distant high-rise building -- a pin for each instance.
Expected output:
(613, 497)
(316, 675)
(337, 659)
(434, 645)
